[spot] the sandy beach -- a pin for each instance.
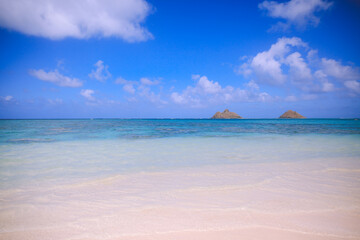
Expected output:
(179, 120)
(278, 200)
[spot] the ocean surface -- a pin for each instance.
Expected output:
(26, 131)
(180, 179)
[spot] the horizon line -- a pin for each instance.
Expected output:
(97, 118)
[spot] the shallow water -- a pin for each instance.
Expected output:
(180, 179)
(27, 131)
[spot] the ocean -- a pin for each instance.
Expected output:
(180, 179)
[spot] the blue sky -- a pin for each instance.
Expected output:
(179, 59)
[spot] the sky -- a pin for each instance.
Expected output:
(179, 59)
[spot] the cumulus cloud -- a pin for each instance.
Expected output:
(244, 69)
(291, 61)
(56, 78)
(121, 80)
(252, 85)
(295, 12)
(141, 84)
(88, 94)
(208, 86)
(179, 98)
(203, 87)
(335, 69)
(298, 68)
(146, 81)
(129, 88)
(354, 86)
(141, 89)
(101, 73)
(146, 93)
(58, 19)
(267, 65)
(207, 91)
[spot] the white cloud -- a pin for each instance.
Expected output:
(205, 86)
(295, 12)
(309, 96)
(208, 86)
(129, 88)
(88, 94)
(58, 19)
(335, 69)
(264, 97)
(284, 65)
(291, 98)
(101, 72)
(195, 76)
(252, 85)
(145, 92)
(55, 101)
(177, 98)
(207, 92)
(146, 81)
(6, 98)
(354, 86)
(244, 69)
(142, 89)
(121, 80)
(267, 64)
(299, 70)
(60, 64)
(56, 78)
(326, 86)
(142, 82)
(202, 89)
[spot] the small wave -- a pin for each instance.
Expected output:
(61, 129)
(29, 140)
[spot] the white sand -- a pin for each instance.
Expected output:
(318, 199)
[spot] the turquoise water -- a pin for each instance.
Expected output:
(115, 177)
(25, 131)
(34, 152)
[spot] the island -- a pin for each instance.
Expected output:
(226, 115)
(291, 114)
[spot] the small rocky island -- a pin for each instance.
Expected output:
(226, 115)
(291, 114)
